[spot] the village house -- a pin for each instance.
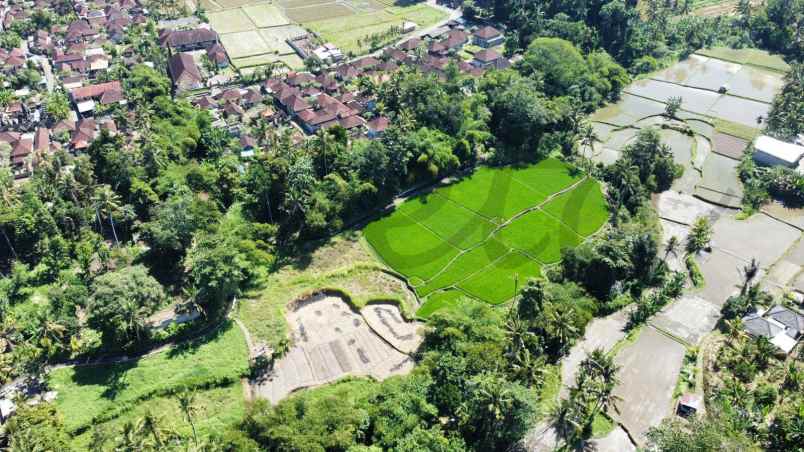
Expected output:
(781, 325)
(188, 40)
(488, 58)
(185, 74)
(86, 97)
(487, 37)
(217, 55)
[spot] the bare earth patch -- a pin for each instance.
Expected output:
(331, 341)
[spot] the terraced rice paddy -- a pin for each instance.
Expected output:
(726, 95)
(484, 234)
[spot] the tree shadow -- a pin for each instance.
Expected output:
(189, 347)
(112, 377)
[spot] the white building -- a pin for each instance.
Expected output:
(771, 152)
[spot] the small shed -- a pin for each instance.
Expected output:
(689, 405)
(772, 152)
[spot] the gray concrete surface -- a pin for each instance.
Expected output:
(603, 333)
(684, 208)
(689, 318)
(648, 372)
(616, 441)
(760, 237)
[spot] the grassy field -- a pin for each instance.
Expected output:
(230, 21)
(346, 31)
(92, 395)
(344, 263)
(486, 233)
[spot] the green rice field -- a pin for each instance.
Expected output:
(488, 232)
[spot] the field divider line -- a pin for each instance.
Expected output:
(455, 284)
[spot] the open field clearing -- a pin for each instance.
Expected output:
(487, 232)
(331, 340)
(230, 21)
(95, 394)
(265, 15)
(314, 13)
(342, 264)
(345, 32)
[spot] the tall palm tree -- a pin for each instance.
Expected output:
(562, 323)
(107, 203)
(8, 201)
(187, 404)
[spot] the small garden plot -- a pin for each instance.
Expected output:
(755, 83)
(465, 265)
(230, 21)
(318, 12)
(265, 15)
(728, 145)
(88, 395)
(244, 44)
(583, 208)
(694, 100)
(303, 3)
(444, 299)
(257, 60)
(754, 57)
(539, 235)
(453, 223)
(409, 247)
(738, 110)
(228, 4)
(276, 38)
(498, 283)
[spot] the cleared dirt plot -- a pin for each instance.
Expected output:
(331, 340)
(646, 392)
(265, 15)
(479, 232)
(230, 21)
(244, 44)
(728, 146)
(346, 31)
(314, 13)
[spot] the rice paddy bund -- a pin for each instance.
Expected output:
(484, 234)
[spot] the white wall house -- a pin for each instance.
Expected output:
(771, 152)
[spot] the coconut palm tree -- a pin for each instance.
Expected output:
(187, 404)
(107, 203)
(8, 201)
(562, 323)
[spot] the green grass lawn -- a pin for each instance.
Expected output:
(91, 394)
(462, 235)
